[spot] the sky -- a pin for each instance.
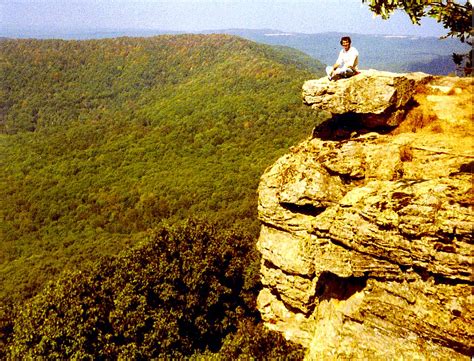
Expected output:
(303, 16)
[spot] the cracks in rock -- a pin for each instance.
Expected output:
(306, 209)
(401, 200)
(367, 254)
(331, 286)
(290, 308)
(346, 126)
(309, 306)
(268, 264)
(465, 168)
(442, 151)
(457, 346)
(328, 286)
(440, 279)
(421, 271)
(424, 273)
(276, 227)
(346, 179)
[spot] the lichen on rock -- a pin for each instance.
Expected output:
(367, 244)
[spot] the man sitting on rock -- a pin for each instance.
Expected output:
(346, 64)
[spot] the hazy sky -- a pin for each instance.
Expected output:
(306, 16)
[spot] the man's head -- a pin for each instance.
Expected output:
(346, 42)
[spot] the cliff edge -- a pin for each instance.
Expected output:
(366, 239)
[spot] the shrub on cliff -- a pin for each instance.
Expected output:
(181, 293)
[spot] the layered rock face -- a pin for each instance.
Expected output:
(366, 242)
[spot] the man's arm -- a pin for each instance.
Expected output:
(337, 63)
(334, 67)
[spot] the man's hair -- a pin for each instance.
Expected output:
(346, 38)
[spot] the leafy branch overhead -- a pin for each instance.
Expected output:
(455, 17)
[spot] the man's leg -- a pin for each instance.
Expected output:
(341, 72)
(347, 72)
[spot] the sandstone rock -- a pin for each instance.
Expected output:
(367, 244)
(370, 91)
(372, 98)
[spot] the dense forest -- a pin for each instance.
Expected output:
(129, 170)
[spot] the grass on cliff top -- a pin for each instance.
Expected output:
(444, 105)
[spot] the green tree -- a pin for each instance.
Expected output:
(455, 17)
(189, 290)
(129, 133)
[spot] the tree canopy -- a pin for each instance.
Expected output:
(104, 140)
(180, 294)
(455, 17)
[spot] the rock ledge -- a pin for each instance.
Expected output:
(380, 98)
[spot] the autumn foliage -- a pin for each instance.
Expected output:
(103, 142)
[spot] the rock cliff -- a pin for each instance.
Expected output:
(366, 240)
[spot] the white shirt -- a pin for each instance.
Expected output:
(348, 58)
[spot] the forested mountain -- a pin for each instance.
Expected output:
(52, 82)
(103, 142)
(388, 52)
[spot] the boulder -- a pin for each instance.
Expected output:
(373, 98)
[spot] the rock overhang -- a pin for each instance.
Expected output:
(371, 99)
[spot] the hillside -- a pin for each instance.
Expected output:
(52, 82)
(104, 140)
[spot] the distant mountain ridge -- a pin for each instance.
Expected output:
(398, 53)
